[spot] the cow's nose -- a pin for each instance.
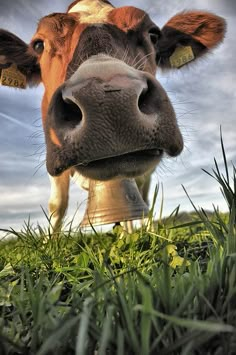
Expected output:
(108, 109)
(97, 102)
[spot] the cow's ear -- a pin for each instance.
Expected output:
(187, 36)
(17, 63)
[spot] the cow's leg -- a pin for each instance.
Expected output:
(143, 183)
(144, 190)
(58, 201)
(144, 187)
(127, 226)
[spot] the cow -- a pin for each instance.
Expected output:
(104, 113)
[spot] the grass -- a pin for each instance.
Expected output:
(167, 291)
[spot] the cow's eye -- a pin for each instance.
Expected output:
(154, 34)
(38, 46)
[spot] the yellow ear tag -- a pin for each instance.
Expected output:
(13, 77)
(181, 56)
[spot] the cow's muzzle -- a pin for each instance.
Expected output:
(110, 120)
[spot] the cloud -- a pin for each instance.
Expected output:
(22, 16)
(16, 121)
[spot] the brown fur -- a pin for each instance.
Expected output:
(199, 29)
(206, 28)
(126, 18)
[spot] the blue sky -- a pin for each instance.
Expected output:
(203, 96)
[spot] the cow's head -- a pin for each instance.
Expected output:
(103, 111)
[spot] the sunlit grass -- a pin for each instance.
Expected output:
(171, 290)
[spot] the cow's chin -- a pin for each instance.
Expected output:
(127, 165)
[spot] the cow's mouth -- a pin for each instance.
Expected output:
(125, 165)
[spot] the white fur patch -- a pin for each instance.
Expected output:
(92, 11)
(80, 180)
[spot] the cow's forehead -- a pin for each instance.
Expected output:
(92, 11)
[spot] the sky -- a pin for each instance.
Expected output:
(203, 96)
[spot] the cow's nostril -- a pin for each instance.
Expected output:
(142, 104)
(146, 99)
(67, 113)
(72, 112)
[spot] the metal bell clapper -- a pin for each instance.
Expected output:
(113, 201)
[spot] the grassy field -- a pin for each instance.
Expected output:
(167, 291)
